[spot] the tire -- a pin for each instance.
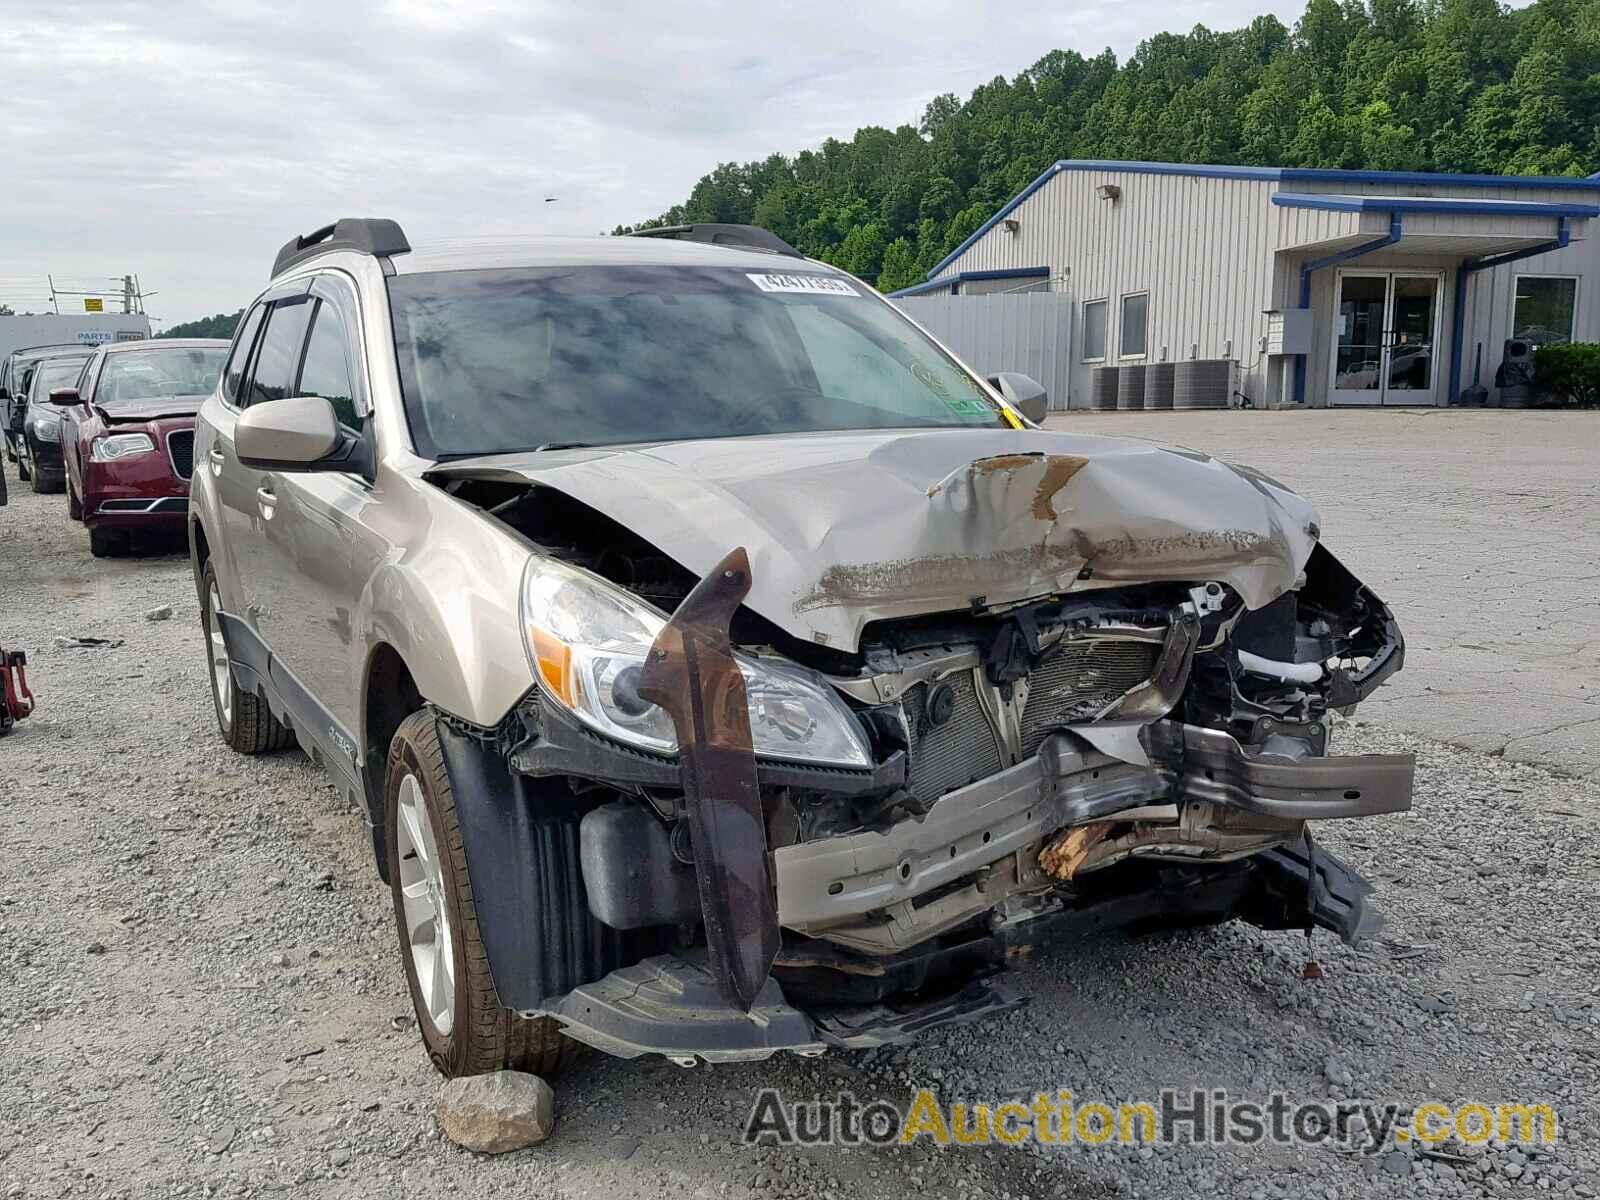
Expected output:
(22, 469)
(50, 486)
(74, 505)
(243, 718)
(108, 543)
(465, 1028)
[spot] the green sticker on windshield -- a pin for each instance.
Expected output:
(970, 407)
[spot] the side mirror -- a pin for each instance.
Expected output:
(66, 397)
(293, 434)
(1023, 393)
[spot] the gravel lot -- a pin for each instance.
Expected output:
(200, 993)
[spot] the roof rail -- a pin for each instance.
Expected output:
(367, 235)
(745, 237)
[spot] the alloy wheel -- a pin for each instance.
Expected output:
(427, 917)
(221, 675)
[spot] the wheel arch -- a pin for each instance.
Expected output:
(389, 694)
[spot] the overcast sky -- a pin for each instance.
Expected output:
(187, 141)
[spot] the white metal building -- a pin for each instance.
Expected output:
(1326, 287)
(89, 329)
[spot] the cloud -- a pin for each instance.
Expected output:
(186, 142)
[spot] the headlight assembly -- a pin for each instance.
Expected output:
(47, 429)
(587, 640)
(120, 445)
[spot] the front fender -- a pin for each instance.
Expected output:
(444, 596)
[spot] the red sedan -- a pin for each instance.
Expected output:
(128, 437)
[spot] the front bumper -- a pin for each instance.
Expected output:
(838, 881)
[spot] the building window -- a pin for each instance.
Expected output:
(1131, 332)
(1546, 309)
(1094, 331)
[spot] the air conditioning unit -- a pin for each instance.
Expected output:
(1203, 383)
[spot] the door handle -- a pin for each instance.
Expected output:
(216, 461)
(266, 502)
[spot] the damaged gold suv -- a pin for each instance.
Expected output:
(724, 668)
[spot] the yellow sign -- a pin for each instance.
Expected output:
(94, 304)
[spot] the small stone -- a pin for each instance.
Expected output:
(95, 948)
(278, 960)
(340, 1158)
(1397, 1163)
(161, 612)
(497, 1113)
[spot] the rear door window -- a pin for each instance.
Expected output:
(278, 359)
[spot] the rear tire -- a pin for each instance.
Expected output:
(243, 719)
(48, 486)
(74, 505)
(22, 469)
(465, 1028)
(108, 543)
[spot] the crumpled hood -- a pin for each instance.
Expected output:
(848, 528)
(150, 408)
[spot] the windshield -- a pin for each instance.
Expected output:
(492, 361)
(54, 373)
(149, 374)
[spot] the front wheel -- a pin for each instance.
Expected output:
(466, 1030)
(47, 484)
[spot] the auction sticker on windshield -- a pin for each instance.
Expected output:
(813, 285)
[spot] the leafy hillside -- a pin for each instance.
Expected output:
(1446, 85)
(219, 326)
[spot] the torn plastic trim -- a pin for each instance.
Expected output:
(836, 880)
(1333, 590)
(692, 674)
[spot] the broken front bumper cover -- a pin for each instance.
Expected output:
(836, 881)
(672, 1005)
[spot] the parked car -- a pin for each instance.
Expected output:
(725, 668)
(39, 445)
(128, 436)
(16, 376)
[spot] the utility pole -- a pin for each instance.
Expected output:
(54, 303)
(127, 294)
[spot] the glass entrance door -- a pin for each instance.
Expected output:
(1385, 333)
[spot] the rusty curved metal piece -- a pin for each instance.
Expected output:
(692, 674)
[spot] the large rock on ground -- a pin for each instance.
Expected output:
(493, 1114)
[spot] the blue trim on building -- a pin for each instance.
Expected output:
(1269, 175)
(1469, 267)
(932, 285)
(1463, 206)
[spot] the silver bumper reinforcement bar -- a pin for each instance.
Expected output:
(839, 879)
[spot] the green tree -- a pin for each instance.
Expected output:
(899, 268)
(1438, 85)
(220, 326)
